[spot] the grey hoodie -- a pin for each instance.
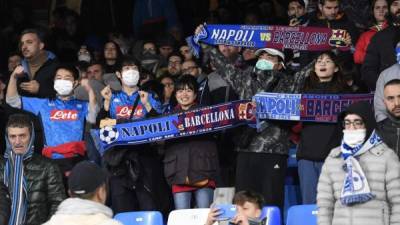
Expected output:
(387, 75)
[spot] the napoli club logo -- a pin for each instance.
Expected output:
(108, 134)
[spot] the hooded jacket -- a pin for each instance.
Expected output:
(45, 187)
(388, 127)
(382, 170)
(44, 76)
(84, 212)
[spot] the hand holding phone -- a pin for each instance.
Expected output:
(227, 211)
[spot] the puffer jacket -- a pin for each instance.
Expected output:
(5, 204)
(45, 188)
(382, 170)
(248, 82)
(84, 212)
(363, 42)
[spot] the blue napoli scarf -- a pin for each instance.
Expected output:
(356, 188)
(14, 179)
(268, 36)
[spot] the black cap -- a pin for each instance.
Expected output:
(85, 178)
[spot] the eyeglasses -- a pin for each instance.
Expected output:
(356, 124)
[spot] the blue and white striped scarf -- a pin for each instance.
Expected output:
(14, 179)
(356, 188)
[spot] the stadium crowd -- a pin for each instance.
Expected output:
(84, 71)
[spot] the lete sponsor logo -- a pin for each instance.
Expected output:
(64, 115)
(125, 111)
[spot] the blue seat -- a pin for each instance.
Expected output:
(273, 215)
(140, 218)
(307, 213)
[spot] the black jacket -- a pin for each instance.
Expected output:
(380, 55)
(318, 139)
(44, 76)
(194, 158)
(389, 131)
(5, 204)
(45, 188)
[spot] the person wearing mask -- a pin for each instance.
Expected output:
(267, 150)
(136, 176)
(360, 179)
(63, 117)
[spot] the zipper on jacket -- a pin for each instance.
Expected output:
(397, 142)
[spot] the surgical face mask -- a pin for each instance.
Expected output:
(263, 64)
(130, 77)
(354, 137)
(84, 58)
(63, 87)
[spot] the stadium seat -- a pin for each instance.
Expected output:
(307, 213)
(140, 218)
(273, 215)
(188, 217)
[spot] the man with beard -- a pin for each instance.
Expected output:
(388, 118)
(381, 50)
(39, 66)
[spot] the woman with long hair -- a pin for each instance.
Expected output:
(317, 139)
(378, 13)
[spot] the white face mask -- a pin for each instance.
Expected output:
(354, 137)
(130, 77)
(84, 58)
(63, 87)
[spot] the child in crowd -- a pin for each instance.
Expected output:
(249, 206)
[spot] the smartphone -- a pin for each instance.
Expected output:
(227, 211)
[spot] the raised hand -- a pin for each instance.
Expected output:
(106, 93)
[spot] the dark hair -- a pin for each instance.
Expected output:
(301, 2)
(20, 120)
(338, 85)
(372, 20)
(70, 68)
(322, 2)
(392, 82)
(175, 53)
(186, 81)
(38, 33)
(129, 61)
(248, 196)
(154, 87)
(119, 52)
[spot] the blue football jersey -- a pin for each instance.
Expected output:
(121, 106)
(63, 121)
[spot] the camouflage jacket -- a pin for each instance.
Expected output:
(275, 138)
